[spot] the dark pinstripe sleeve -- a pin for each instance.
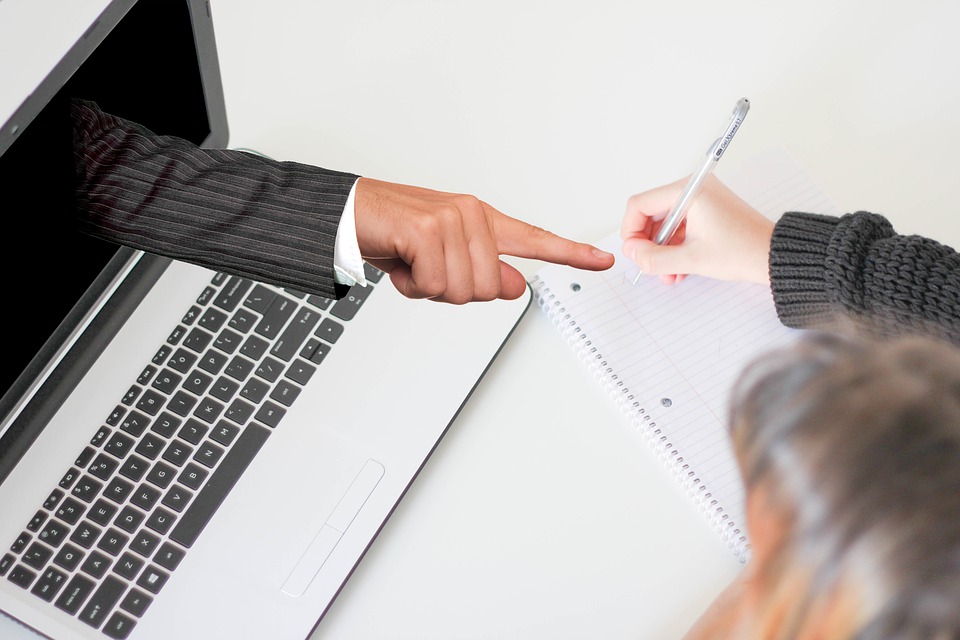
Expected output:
(226, 210)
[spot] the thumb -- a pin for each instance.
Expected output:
(655, 259)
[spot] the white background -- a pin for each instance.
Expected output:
(540, 515)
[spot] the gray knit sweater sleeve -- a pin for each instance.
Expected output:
(826, 271)
(230, 211)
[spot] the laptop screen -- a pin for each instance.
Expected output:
(150, 61)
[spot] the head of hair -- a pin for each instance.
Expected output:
(856, 443)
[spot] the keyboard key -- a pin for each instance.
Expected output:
(176, 335)
(119, 445)
(197, 382)
(275, 317)
(96, 565)
(191, 315)
(162, 354)
(100, 436)
(347, 307)
(315, 350)
(6, 562)
(213, 361)
(21, 576)
(118, 490)
(151, 402)
(182, 360)
(77, 590)
(136, 602)
(54, 533)
(296, 332)
(270, 414)
(145, 497)
(177, 498)
(69, 557)
(239, 368)
(85, 457)
(228, 341)
(243, 321)
(119, 626)
(128, 566)
(181, 403)
(193, 431)
(146, 375)
(150, 446)
(232, 293)
(87, 489)
(36, 555)
(169, 556)
(209, 410)
(102, 512)
(129, 519)
(21, 543)
(37, 521)
(224, 432)
(192, 476)
(239, 411)
(50, 582)
(131, 395)
(52, 499)
(260, 299)
(300, 371)
(161, 475)
(212, 319)
(224, 389)
(167, 381)
(166, 424)
(177, 453)
(197, 340)
(269, 369)
(152, 579)
(329, 330)
(103, 600)
(103, 467)
(134, 468)
(70, 511)
(113, 542)
(285, 393)
(208, 454)
(85, 535)
(255, 347)
(69, 478)
(144, 543)
(255, 390)
(161, 520)
(208, 500)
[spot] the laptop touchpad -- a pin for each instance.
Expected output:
(329, 535)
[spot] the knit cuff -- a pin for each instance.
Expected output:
(798, 251)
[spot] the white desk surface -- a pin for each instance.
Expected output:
(540, 515)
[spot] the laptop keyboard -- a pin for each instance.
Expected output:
(109, 537)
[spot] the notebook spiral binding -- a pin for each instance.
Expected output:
(639, 418)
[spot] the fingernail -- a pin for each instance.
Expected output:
(601, 254)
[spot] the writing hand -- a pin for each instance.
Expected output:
(447, 247)
(722, 237)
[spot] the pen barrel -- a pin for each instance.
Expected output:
(672, 222)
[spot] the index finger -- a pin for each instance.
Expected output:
(644, 208)
(517, 238)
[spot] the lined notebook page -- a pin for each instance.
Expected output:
(669, 354)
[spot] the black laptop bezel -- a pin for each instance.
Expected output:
(32, 399)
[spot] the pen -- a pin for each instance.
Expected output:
(672, 222)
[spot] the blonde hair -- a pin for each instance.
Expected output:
(857, 444)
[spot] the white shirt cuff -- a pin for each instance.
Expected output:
(347, 261)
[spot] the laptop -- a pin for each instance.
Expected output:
(184, 453)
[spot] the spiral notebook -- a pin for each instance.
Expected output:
(669, 355)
